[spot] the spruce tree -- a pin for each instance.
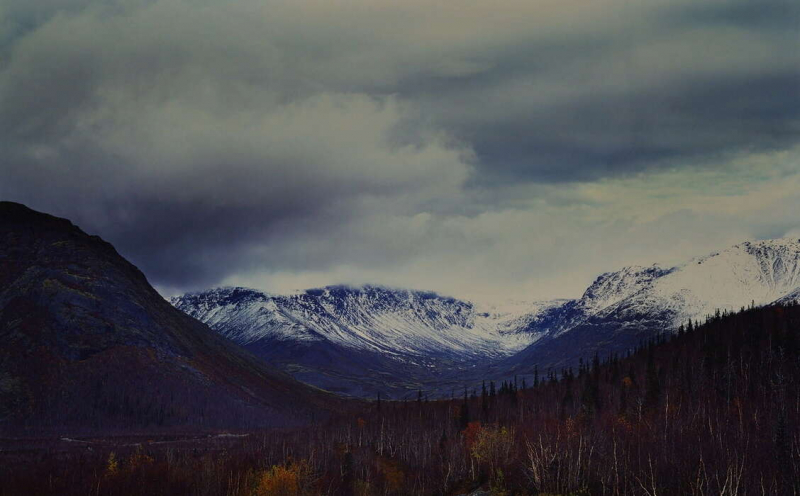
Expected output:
(652, 384)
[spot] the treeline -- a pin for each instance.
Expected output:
(712, 409)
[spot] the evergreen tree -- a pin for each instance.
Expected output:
(463, 415)
(484, 403)
(652, 383)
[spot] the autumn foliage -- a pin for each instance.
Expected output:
(712, 409)
(292, 479)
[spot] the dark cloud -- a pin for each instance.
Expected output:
(646, 96)
(656, 128)
(211, 140)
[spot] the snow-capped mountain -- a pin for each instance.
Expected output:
(757, 273)
(613, 287)
(621, 308)
(402, 340)
(400, 323)
(361, 340)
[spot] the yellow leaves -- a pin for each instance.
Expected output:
(493, 446)
(284, 480)
(498, 484)
(135, 461)
(492, 443)
(362, 488)
(139, 459)
(278, 481)
(112, 466)
(392, 474)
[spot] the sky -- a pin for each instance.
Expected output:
(481, 149)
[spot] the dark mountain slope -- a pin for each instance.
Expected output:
(87, 343)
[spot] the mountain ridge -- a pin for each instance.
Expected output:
(444, 339)
(88, 344)
(354, 316)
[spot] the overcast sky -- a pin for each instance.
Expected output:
(483, 149)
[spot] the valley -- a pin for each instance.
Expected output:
(108, 388)
(362, 341)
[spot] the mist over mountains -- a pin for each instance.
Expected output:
(365, 340)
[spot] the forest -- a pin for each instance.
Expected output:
(712, 409)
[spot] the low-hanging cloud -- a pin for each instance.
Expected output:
(414, 143)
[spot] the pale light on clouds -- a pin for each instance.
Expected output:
(480, 149)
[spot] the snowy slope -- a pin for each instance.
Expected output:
(624, 307)
(613, 287)
(394, 322)
(350, 337)
(516, 320)
(791, 298)
(757, 273)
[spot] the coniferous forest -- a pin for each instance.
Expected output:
(709, 410)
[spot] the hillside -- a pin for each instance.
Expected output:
(88, 344)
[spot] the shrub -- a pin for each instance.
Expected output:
(292, 479)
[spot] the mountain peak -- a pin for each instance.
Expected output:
(82, 322)
(374, 290)
(612, 287)
(758, 248)
(790, 242)
(9, 208)
(16, 215)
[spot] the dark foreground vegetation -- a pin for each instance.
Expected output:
(711, 410)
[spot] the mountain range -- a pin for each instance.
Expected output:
(88, 343)
(364, 340)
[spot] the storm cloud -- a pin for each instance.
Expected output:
(512, 146)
